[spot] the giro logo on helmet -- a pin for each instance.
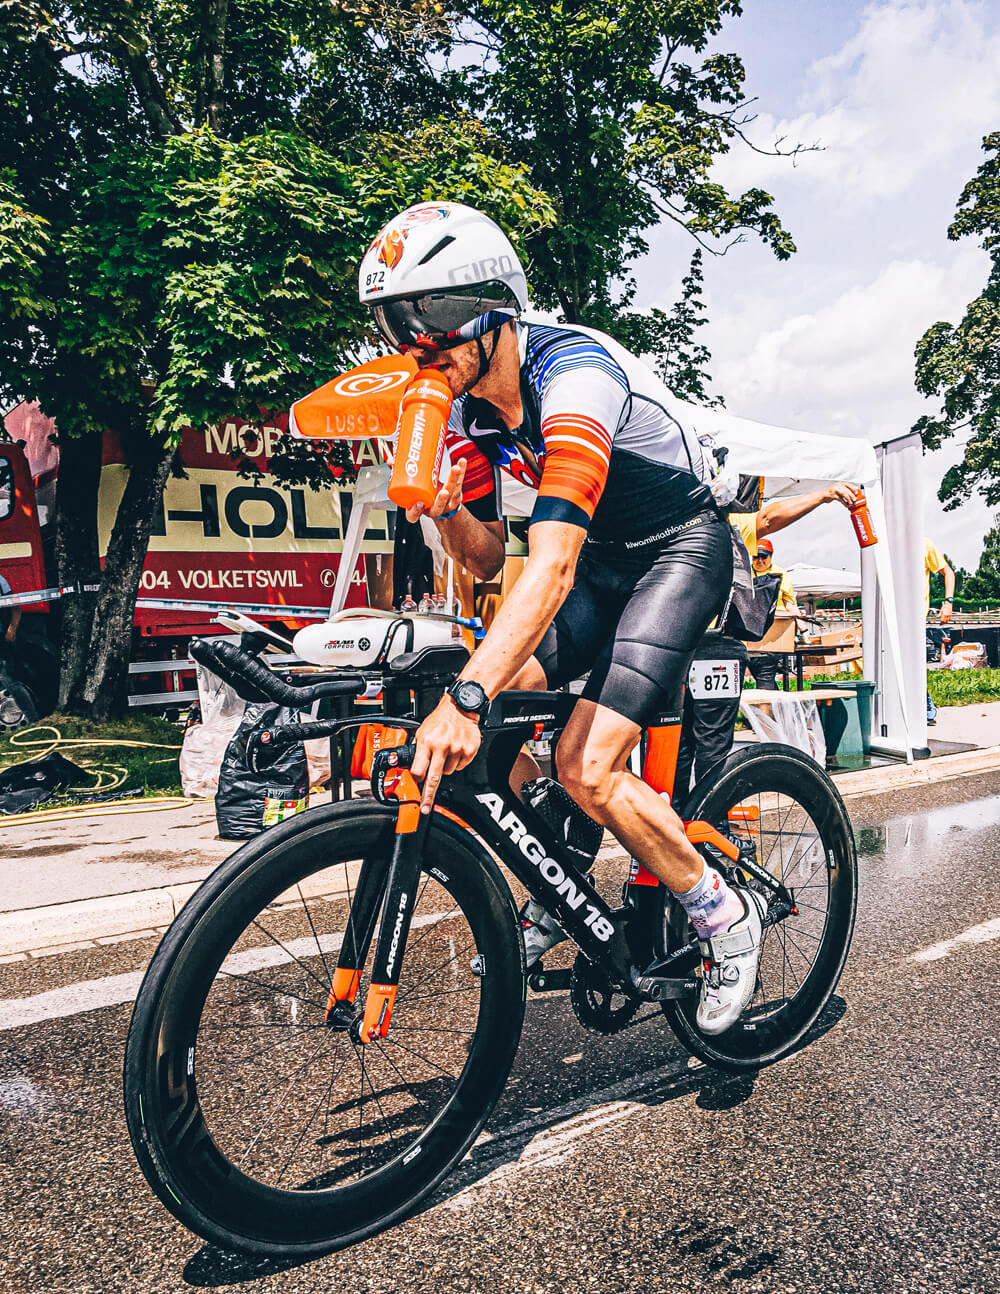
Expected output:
(493, 267)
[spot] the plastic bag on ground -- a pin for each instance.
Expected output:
(246, 802)
(795, 722)
(205, 743)
(966, 655)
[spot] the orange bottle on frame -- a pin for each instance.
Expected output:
(423, 418)
(861, 519)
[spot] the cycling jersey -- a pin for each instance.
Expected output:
(603, 441)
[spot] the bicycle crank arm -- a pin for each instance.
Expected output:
(654, 988)
(554, 981)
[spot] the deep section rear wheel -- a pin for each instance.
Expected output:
(781, 803)
(261, 1128)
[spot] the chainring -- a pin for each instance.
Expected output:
(599, 1007)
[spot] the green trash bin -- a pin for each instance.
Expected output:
(865, 691)
(842, 729)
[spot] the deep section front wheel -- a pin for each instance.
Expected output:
(260, 1127)
(782, 806)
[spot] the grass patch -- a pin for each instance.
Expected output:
(946, 686)
(963, 686)
(146, 768)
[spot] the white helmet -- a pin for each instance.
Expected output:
(440, 274)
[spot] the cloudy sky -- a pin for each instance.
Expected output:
(899, 94)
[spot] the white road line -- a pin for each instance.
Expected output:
(114, 990)
(981, 934)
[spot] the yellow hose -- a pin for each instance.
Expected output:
(109, 776)
(113, 808)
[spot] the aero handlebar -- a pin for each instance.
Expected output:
(253, 681)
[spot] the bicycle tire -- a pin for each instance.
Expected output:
(788, 790)
(194, 1008)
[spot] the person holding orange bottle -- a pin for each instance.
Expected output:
(629, 558)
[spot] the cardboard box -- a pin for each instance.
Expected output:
(780, 637)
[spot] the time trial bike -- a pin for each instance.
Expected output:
(328, 1023)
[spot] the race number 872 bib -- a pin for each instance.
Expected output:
(714, 680)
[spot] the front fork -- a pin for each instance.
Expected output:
(399, 885)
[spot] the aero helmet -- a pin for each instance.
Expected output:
(440, 274)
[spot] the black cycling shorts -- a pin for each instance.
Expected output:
(634, 618)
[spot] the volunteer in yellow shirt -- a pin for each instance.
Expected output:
(934, 561)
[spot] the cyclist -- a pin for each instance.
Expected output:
(629, 559)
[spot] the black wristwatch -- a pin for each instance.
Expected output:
(469, 697)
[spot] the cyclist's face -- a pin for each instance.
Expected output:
(459, 365)
(762, 563)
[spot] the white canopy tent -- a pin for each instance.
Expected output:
(812, 583)
(893, 639)
(894, 660)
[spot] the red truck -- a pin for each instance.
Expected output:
(218, 540)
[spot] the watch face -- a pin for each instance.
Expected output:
(470, 696)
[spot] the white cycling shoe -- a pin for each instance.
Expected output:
(730, 970)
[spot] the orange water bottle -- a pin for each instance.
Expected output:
(423, 417)
(861, 519)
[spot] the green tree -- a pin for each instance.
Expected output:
(985, 583)
(620, 118)
(960, 364)
(185, 192)
(683, 360)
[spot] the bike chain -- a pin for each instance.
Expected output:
(593, 1000)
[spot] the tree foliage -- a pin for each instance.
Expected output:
(620, 118)
(185, 193)
(960, 363)
(985, 583)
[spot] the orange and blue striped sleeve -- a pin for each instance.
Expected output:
(582, 406)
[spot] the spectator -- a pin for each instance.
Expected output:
(709, 722)
(764, 665)
(933, 561)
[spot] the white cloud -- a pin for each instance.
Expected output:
(847, 368)
(890, 106)
(848, 365)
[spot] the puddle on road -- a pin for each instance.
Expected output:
(929, 833)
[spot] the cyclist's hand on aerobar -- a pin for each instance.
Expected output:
(448, 498)
(447, 740)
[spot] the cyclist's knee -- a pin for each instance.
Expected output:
(588, 780)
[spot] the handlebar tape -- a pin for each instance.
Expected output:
(253, 681)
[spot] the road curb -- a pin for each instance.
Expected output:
(60, 926)
(68, 926)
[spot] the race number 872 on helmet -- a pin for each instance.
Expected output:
(441, 274)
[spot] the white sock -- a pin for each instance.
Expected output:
(711, 904)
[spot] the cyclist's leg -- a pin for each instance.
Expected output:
(593, 766)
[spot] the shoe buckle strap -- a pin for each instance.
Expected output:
(729, 944)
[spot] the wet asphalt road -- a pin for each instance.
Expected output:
(868, 1161)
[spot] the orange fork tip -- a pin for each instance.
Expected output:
(378, 1011)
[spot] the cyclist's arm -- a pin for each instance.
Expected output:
(541, 589)
(474, 536)
(477, 545)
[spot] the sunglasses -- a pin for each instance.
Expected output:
(440, 320)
